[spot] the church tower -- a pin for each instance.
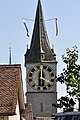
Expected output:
(41, 70)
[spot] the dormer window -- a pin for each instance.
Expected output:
(42, 56)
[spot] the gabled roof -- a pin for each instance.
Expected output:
(10, 87)
(39, 42)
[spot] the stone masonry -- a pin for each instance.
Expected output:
(28, 114)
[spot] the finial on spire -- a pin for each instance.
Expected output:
(10, 55)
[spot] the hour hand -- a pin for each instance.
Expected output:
(45, 79)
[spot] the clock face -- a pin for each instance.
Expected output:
(41, 77)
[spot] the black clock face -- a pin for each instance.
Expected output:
(41, 77)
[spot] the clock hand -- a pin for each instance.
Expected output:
(41, 67)
(41, 77)
(44, 79)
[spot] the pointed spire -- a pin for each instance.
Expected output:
(39, 42)
(10, 55)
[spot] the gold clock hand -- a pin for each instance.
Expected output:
(44, 79)
(41, 77)
(41, 67)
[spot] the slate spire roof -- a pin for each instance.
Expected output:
(40, 49)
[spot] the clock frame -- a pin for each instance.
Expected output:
(41, 77)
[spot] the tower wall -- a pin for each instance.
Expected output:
(42, 103)
(41, 70)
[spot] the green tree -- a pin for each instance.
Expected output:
(71, 77)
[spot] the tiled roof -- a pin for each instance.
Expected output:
(10, 78)
(27, 113)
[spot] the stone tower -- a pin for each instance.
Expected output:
(41, 68)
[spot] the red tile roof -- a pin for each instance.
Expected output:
(27, 113)
(10, 77)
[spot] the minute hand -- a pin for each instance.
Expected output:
(41, 67)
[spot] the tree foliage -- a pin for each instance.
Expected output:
(70, 76)
(65, 102)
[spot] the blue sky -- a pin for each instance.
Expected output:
(12, 31)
